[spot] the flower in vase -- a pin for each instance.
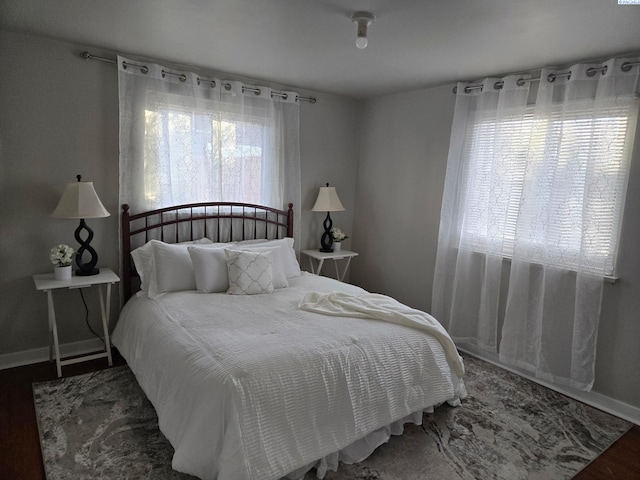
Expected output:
(61, 255)
(338, 235)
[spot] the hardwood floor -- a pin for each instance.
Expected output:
(20, 457)
(621, 461)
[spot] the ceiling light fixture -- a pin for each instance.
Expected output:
(363, 19)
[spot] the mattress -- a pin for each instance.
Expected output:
(254, 387)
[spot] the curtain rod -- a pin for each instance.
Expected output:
(625, 67)
(87, 56)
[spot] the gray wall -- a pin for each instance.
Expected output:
(401, 170)
(329, 154)
(58, 118)
(403, 153)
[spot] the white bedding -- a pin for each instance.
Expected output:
(253, 387)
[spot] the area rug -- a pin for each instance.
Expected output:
(101, 425)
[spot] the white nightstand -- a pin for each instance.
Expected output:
(47, 283)
(335, 256)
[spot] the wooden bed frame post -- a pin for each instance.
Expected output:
(290, 221)
(126, 252)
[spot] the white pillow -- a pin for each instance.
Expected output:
(250, 272)
(290, 262)
(172, 268)
(210, 269)
(253, 241)
(143, 259)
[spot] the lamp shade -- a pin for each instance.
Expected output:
(80, 200)
(328, 200)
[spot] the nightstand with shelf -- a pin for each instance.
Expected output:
(47, 283)
(320, 257)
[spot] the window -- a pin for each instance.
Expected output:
(194, 156)
(552, 186)
(187, 140)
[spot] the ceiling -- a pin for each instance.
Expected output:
(310, 44)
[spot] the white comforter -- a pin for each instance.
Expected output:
(254, 387)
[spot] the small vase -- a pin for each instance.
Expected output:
(62, 273)
(337, 246)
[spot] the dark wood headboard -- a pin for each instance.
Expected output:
(219, 221)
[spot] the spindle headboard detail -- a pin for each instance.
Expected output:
(218, 221)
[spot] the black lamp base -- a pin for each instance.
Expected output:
(87, 273)
(89, 268)
(327, 240)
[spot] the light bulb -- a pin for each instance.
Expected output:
(362, 42)
(363, 20)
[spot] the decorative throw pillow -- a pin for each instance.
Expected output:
(279, 261)
(250, 272)
(288, 255)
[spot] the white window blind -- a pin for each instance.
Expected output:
(572, 166)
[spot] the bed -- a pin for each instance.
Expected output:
(256, 369)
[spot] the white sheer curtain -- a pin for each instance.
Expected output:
(184, 139)
(541, 184)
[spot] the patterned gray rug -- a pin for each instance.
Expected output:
(101, 425)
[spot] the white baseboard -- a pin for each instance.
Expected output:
(37, 355)
(594, 399)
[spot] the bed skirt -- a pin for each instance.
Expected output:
(361, 449)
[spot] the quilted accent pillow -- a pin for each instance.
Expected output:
(279, 262)
(250, 272)
(287, 256)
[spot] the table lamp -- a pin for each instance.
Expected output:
(327, 201)
(80, 200)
